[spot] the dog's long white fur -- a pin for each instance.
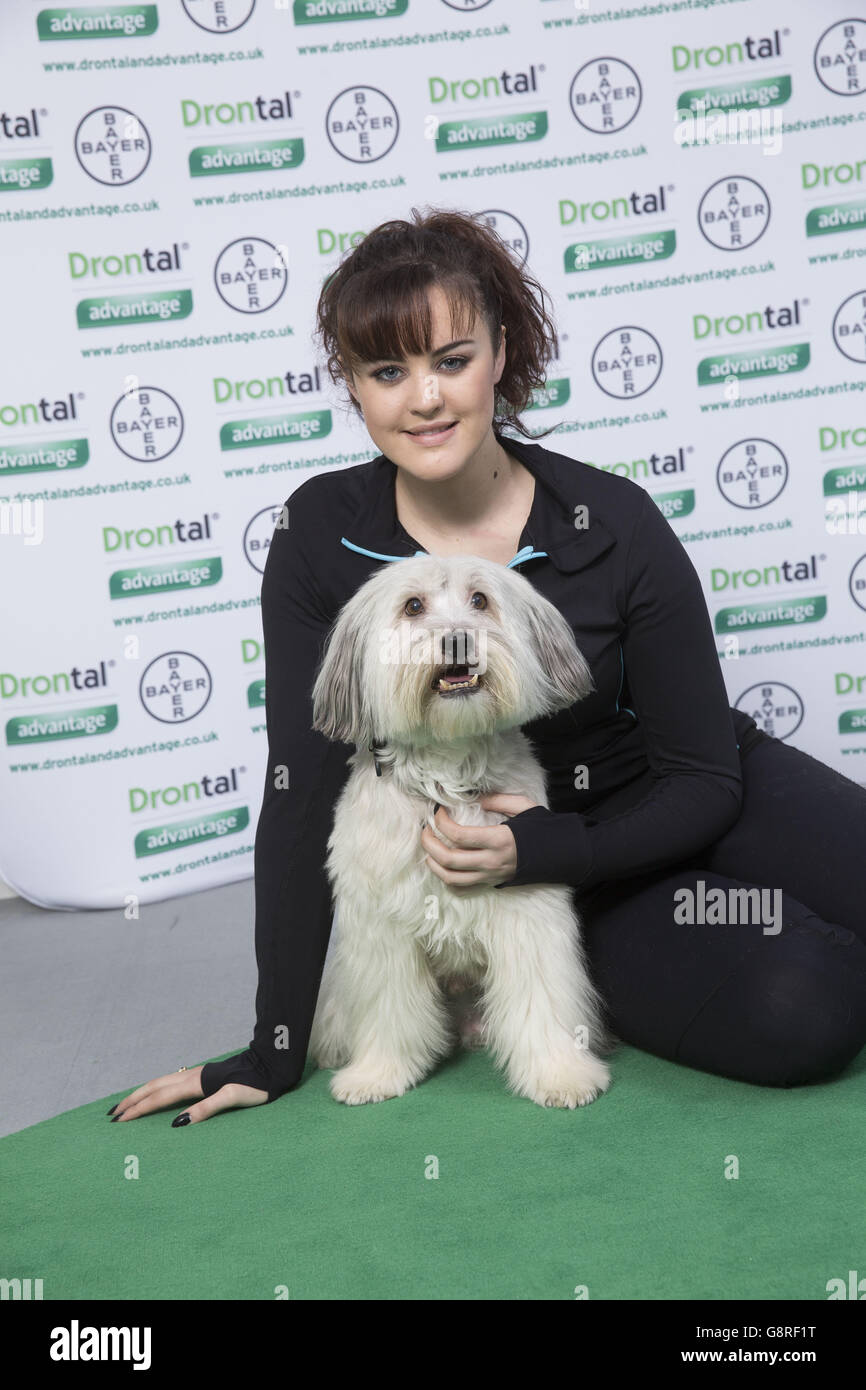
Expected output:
(405, 941)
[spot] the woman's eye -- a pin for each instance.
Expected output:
(483, 598)
(377, 376)
(408, 609)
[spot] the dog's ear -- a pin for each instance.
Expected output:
(556, 651)
(339, 711)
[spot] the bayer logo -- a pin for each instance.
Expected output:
(175, 687)
(776, 708)
(146, 424)
(220, 16)
(752, 473)
(605, 95)
(627, 362)
(857, 583)
(510, 230)
(112, 145)
(259, 533)
(840, 58)
(362, 124)
(849, 327)
(250, 275)
(734, 213)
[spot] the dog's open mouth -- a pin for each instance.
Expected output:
(455, 680)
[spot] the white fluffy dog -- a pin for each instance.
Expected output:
(409, 951)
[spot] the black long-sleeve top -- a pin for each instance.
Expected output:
(657, 737)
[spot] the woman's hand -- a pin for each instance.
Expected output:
(483, 853)
(177, 1087)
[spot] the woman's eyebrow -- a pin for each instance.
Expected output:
(436, 351)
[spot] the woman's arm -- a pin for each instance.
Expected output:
(292, 892)
(678, 694)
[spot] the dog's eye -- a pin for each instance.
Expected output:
(412, 611)
(483, 598)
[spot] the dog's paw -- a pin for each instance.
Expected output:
(566, 1089)
(354, 1086)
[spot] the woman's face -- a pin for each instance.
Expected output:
(404, 400)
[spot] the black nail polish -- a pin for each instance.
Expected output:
(114, 1119)
(183, 1119)
(113, 1108)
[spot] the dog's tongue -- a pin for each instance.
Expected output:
(458, 680)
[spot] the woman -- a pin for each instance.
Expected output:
(658, 789)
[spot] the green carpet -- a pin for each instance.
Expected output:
(627, 1196)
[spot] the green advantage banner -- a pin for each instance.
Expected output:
(686, 178)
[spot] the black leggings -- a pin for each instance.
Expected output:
(774, 1010)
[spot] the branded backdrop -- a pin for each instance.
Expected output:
(177, 178)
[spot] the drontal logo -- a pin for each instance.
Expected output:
(510, 230)
(146, 424)
(258, 535)
(840, 58)
(112, 145)
(734, 213)
(627, 362)
(857, 583)
(362, 124)
(250, 275)
(175, 687)
(776, 708)
(219, 16)
(849, 327)
(605, 95)
(466, 4)
(752, 473)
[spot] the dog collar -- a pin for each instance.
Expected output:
(373, 745)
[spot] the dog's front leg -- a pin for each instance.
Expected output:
(541, 1010)
(396, 1023)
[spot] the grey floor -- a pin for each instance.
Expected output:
(92, 1004)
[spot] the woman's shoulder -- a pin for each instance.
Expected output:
(327, 488)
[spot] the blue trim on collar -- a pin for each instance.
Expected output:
(527, 553)
(374, 554)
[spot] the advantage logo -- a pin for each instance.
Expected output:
(333, 11)
(130, 21)
(242, 157)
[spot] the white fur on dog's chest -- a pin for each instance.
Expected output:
(373, 812)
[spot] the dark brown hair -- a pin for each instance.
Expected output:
(375, 304)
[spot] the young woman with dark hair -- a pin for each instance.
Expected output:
(658, 790)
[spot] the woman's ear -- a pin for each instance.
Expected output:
(350, 382)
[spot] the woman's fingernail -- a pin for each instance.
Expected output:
(436, 808)
(113, 1108)
(183, 1119)
(115, 1118)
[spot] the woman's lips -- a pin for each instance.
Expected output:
(430, 439)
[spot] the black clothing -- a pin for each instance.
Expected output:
(772, 1008)
(657, 733)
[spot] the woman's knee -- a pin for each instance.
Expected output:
(791, 1013)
